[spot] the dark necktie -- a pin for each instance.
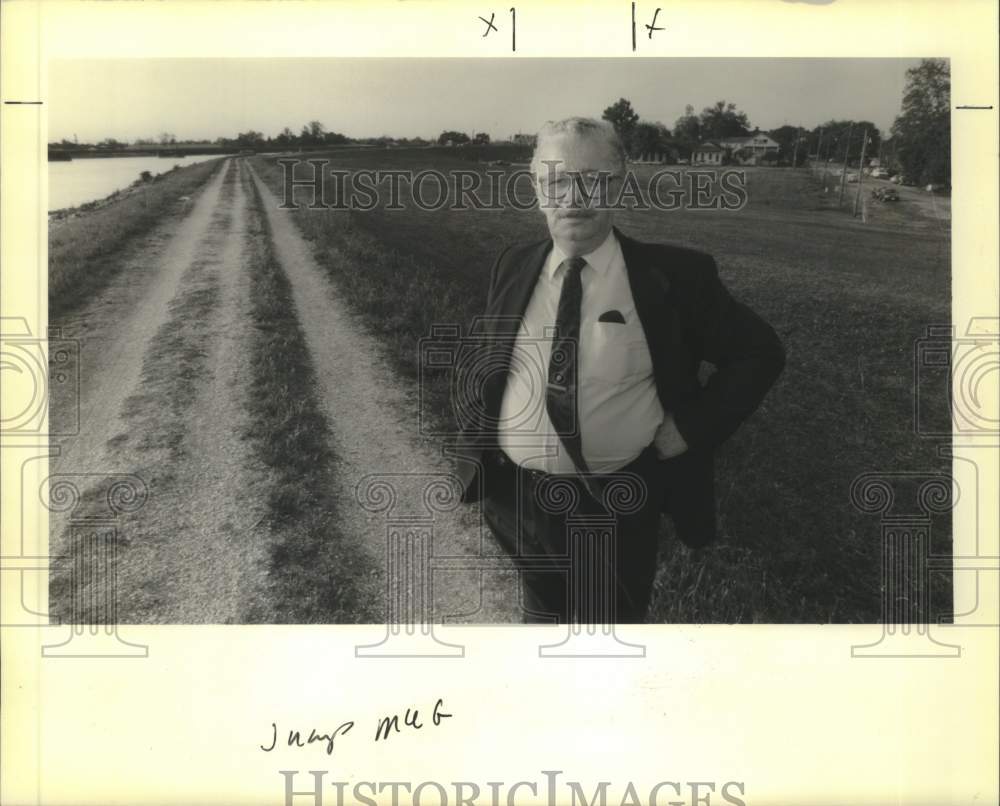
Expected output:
(561, 391)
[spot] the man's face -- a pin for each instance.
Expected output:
(577, 225)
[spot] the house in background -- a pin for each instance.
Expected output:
(707, 154)
(751, 149)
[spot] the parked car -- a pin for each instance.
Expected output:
(852, 178)
(880, 173)
(885, 194)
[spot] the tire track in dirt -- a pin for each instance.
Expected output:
(318, 575)
(366, 408)
(194, 553)
(114, 330)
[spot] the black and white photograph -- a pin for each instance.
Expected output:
(488, 341)
(429, 403)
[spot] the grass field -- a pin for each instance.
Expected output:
(848, 299)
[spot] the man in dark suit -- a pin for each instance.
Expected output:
(608, 360)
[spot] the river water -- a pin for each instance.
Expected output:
(85, 180)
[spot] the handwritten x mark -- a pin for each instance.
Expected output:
(491, 27)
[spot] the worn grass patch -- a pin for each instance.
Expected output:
(318, 577)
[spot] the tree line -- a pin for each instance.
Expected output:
(918, 145)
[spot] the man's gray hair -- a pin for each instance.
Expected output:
(584, 127)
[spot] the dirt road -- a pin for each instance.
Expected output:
(170, 362)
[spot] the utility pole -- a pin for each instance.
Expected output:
(843, 172)
(819, 145)
(795, 153)
(861, 173)
(826, 164)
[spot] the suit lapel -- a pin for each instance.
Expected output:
(516, 285)
(654, 303)
(658, 315)
(515, 290)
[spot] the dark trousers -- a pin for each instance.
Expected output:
(579, 559)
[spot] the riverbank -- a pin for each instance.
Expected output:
(85, 242)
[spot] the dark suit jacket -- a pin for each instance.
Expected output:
(692, 325)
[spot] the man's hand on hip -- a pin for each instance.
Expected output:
(668, 440)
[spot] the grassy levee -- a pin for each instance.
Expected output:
(849, 300)
(85, 248)
(316, 576)
(156, 419)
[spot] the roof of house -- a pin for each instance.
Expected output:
(709, 147)
(747, 139)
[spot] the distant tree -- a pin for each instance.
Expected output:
(623, 117)
(166, 139)
(922, 130)
(249, 139)
(687, 131)
(649, 138)
(890, 154)
(335, 138)
(785, 137)
(457, 138)
(723, 120)
(316, 131)
(480, 139)
(842, 137)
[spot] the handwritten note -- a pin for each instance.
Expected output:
(385, 728)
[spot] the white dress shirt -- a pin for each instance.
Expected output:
(617, 403)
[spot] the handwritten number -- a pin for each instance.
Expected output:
(513, 27)
(650, 26)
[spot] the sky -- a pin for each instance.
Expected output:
(210, 98)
